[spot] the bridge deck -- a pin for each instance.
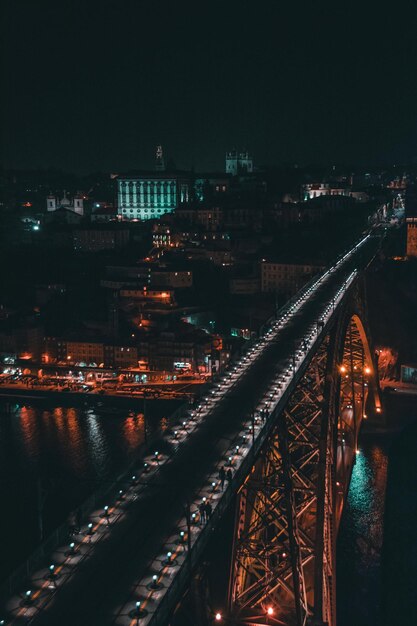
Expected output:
(112, 569)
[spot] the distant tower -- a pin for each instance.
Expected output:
(79, 205)
(51, 203)
(159, 163)
(246, 162)
(238, 163)
(231, 163)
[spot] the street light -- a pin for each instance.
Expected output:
(218, 617)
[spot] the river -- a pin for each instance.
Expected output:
(377, 543)
(53, 458)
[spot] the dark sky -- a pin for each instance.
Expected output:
(92, 85)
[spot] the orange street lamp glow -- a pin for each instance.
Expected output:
(378, 409)
(367, 370)
(342, 369)
(218, 617)
(270, 610)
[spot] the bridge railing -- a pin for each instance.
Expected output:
(285, 307)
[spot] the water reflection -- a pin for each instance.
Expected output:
(29, 431)
(133, 430)
(69, 452)
(360, 538)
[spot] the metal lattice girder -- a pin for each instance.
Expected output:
(290, 505)
(275, 534)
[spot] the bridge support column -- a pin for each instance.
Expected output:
(275, 535)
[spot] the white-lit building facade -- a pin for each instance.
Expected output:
(149, 195)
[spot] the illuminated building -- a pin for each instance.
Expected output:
(238, 163)
(411, 236)
(76, 205)
(149, 195)
(209, 187)
(163, 236)
(411, 219)
(161, 296)
(317, 190)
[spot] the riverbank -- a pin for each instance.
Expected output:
(90, 398)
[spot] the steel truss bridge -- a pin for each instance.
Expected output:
(285, 420)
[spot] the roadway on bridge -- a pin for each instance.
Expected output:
(128, 536)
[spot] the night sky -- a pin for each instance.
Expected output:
(92, 85)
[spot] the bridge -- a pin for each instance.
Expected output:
(284, 423)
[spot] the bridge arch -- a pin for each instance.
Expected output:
(289, 507)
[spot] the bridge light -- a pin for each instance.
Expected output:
(367, 370)
(270, 610)
(342, 369)
(358, 451)
(378, 409)
(218, 617)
